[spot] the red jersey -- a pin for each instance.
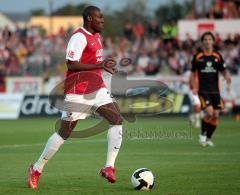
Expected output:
(86, 48)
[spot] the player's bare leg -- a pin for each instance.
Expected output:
(197, 109)
(52, 146)
(112, 114)
(195, 117)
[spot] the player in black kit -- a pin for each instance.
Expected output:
(206, 66)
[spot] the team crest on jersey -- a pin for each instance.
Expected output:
(71, 54)
(99, 53)
(209, 64)
(209, 68)
(92, 43)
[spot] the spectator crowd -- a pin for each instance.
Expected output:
(224, 9)
(26, 52)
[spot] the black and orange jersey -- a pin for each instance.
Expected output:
(206, 68)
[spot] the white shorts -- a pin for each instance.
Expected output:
(80, 106)
(195, 101)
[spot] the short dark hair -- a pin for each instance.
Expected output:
(207, 33)
(88, 11)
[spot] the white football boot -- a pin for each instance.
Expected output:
(210, 143)
(203, 140)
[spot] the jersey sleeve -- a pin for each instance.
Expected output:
(75, 47)
(194, 65)
(222, 65)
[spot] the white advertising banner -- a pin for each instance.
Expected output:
(10, 105)
(194, 28)
(179, 84)
(25, 85)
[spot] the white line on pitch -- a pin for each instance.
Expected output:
(41, 144)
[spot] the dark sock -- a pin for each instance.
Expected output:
(210, 131)
(204, 128)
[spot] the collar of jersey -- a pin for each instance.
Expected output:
(208, 53)
(86, 31)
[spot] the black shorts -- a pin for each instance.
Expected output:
(211, 99)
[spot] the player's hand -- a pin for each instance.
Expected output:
(194, 91)
(109, 63)
(228, 80)
(111, 70)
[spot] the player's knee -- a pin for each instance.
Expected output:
(65, 129)
(64, 133)
(116, 120)
(197, 108)
(209, 114)
(120, 120)
(215, 117)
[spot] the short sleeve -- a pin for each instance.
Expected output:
(194, 65)
(75, 47)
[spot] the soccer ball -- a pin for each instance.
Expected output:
(142, 179)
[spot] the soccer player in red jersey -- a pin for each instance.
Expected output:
(84, 89)
(206, 66)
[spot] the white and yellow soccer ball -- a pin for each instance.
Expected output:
(142, 179)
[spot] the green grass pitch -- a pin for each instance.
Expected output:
(166, 145)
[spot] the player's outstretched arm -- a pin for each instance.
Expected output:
(78, 66)
(192, 83)
(108, 65)
(227, 77)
